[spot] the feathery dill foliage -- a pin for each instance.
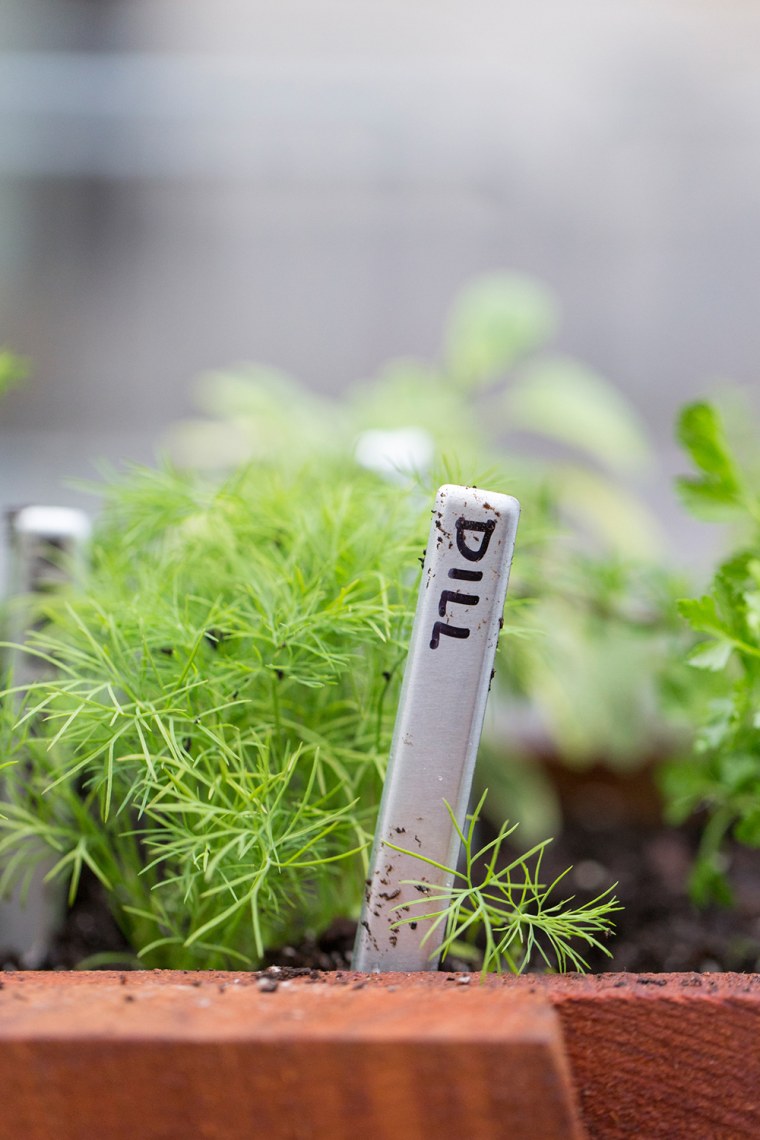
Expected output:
(499, 897)
(212, 737)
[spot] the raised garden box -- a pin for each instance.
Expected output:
(233, 1055)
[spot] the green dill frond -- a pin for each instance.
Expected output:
(501, 901)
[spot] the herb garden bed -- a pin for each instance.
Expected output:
(659, 929)
(202, 732)
(169, 1053)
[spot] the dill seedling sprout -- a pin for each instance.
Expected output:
(500, 898)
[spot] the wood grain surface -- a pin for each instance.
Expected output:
(664, 1056)
(165, 1055)
(175, 1056)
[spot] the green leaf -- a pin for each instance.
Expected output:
(702, 614)
(706, 500)
(700, 432)
(567, 402)
(683, 786)
(494, 322)
(713, 655)
(747, 830)
(738, 773)
(718, 727)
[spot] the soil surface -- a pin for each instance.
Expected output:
(613, 833)
(608, 838)
(659, 929)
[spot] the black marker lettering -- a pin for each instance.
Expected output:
(454, 596)
(441, 627)
(484, 528)
(466, 575)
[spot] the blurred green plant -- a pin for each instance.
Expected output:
(593, 611)
(13, 370)
(720, 781)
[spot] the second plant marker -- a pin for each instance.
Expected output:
(440, 718)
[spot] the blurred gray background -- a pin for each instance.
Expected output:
(187, 184)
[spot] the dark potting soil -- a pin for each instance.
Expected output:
(613, 833)
(658, 930)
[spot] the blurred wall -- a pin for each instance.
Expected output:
(187, 184)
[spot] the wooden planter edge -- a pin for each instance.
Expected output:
(228, 1055)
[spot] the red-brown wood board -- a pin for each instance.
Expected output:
(182, 1056)
(225, 1056)
(663, 1055)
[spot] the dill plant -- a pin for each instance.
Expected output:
(499, 901)
(211, 739)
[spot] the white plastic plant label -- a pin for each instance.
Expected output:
(48, 549)
(440, 718)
